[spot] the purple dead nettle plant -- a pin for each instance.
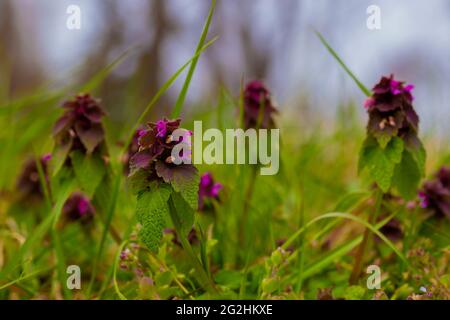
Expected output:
(165, 189)
(80, 127)
(133, 148)
(258, 106)
(80, 149)
(392, 153)
(29, 183)
(257, 113)
(208, 191)
(78, 208)
(435, 194)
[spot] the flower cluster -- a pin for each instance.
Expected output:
(435, 194)
(29, 184)
(207, 189)
(133, 148)
(258, 107)
(78, 208)
(155, 151)
(391, 112)
(80, 128)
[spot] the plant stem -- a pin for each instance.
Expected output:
(202, 275)
(301, 240)
(246, 208)
(359, 259)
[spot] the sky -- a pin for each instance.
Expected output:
(413, 43)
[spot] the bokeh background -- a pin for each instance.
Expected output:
(268, 39)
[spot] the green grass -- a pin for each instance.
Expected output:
(317, 205)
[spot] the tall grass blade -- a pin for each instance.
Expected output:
(182, 96)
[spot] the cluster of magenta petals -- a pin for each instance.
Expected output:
(435, 194)
(258, 107)
(208, 189)
(391, 111)
(80, 125)
(78, 208)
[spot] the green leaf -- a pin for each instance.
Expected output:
(407, 176)
(380, 162)
(151, 212)
(184, 213)
(229, 278)
(354, 293)
(59, 156)
(419, 154)
(383, 138)
(89, 170)
(138, 181)
(186, 182)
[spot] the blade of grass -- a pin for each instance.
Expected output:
(160, 92)
(182, 96)
(25, 277)
(349, 217)
(109, 216)
(40, 231)
(116, 262)
(100, 76)
(334, 254)
(343, 65)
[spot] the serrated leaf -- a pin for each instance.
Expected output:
(184, 213)
(138, 180)
(407, 176)
(383, 139)
(184, 180)
(89, 170)
(151, 212)
(381, 162)
(419, 154)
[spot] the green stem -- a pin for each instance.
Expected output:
(359, 259)
(246, 208)
(301, 241)
(202, 276)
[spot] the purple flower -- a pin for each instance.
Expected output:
(80, 128)
(29, 183)
(161, 128)
(208, 189)
(435, 194)
(423, 200)
(154, 154)
(133, 148)
(391, 112)
(78, 208)
(258, 107)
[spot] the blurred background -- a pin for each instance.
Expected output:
(268, 39)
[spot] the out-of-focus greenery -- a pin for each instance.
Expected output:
(316, 191)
